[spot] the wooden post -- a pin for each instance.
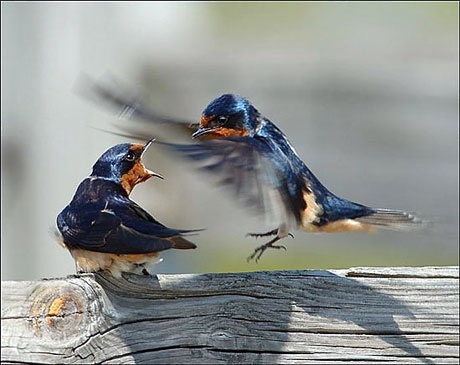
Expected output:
(360, 315)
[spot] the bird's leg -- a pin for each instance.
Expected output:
(78, 269)
(261, 249)
(269, 233)
(138, 270)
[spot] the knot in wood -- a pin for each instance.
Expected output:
(56, 310)
(227, 333)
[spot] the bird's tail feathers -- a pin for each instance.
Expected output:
(393, 219)
(181, 243)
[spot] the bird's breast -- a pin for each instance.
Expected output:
(312, 212)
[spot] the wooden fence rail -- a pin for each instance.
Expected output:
(360, 315)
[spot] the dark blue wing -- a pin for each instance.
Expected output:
(110, 232)
(253, 171)
(86, 227)
(135, 217)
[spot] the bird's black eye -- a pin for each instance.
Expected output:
(222, 120)
(130, 157)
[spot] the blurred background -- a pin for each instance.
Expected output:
(366, 92)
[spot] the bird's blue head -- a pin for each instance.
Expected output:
(122, 164)
(228, 115)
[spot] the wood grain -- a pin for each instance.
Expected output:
(360, 315)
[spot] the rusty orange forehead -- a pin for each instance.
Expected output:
(136, 146)
(205, 119)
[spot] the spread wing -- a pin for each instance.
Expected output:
(117, 230)
(252, 171)
(256, 171)
(129, 106)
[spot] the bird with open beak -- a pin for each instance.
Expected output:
(104, 229)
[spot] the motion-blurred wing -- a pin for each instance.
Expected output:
(128, 106)
(252, 172)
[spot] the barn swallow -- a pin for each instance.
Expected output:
(104, 229)
(259, 164)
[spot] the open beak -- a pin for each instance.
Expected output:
(202, 131)
(150, 173)
(147, 145)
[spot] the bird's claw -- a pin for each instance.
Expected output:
(266, 234)
(257, 252)
(261, 249)
(251, 256)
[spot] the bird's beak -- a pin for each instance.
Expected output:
(147, 145)
(201, 131)
(150, 173)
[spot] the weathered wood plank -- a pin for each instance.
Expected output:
(360, 315)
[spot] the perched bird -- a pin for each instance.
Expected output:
(104, 229)
(259, 164)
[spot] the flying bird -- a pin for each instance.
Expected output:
(104, 229)
(258, 164)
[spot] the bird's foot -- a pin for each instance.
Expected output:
(266, 234)
(261, 249)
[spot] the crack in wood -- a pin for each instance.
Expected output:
(378, 315)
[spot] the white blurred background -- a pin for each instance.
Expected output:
(366, 92)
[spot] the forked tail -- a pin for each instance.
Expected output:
(392, 219)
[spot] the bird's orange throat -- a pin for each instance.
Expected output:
(135, 176)
(227, 132)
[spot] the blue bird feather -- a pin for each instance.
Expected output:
(256, 162)
(104, 229)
